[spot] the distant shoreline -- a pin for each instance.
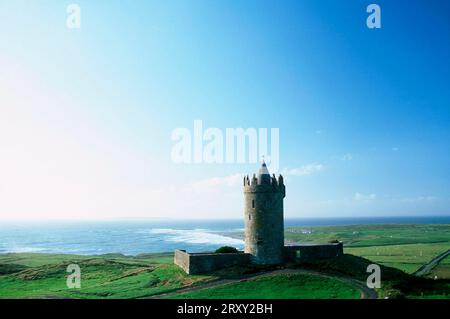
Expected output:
(302, 221)
(134, 238)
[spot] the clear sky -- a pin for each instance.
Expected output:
(86, 115)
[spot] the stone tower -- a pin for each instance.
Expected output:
(264, 222)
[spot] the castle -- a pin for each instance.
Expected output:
(264, 232)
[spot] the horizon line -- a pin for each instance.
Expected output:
(125, 219)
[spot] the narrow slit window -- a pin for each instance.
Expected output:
(253, 203)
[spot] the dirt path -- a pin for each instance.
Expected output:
(426, 268)
(366, 293)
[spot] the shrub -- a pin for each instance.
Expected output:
(226, 250)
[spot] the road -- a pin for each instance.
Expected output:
(426, 268)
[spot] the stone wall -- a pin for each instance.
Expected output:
(313, 252)
(202, 263)
(181, 259)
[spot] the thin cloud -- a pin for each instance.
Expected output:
(210, 184)
(234, 180)
(346, 157)
(419, 199)
(364, 197)
(304, 170)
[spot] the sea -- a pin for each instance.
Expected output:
(151, 236)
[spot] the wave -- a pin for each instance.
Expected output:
(23, 250)
(194, 236)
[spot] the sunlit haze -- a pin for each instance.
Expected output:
(86, 115)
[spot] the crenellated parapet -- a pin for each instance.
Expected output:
(264, 184)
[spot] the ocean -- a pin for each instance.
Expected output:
(137, 237)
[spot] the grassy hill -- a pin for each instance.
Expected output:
(282, 286)
(394, 282)
(399, 249)
(107, 276)
(441, 271)
(116, 276)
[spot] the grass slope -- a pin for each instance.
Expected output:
(283, 286)
(442, 270)
(399, 249)
(112, 276)
(394, 282)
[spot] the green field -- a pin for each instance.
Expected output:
(44, 276)
(407, 257)
(441, 271)
(371, 235)
(399, 249)
(406, 247)
(289, 286)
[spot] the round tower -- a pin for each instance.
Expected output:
(264, 222)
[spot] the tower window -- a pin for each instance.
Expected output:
(249, 217)
(253, 203)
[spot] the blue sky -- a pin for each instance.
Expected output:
(87, 114)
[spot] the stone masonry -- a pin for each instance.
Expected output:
(264, 233)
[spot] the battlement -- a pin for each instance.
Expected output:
(263, 184)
